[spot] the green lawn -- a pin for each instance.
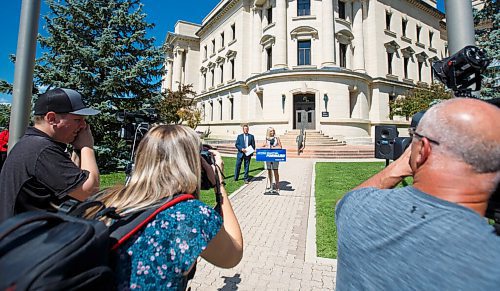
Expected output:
(207, 196)
(333, 180)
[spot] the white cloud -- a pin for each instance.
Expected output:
(5, 98)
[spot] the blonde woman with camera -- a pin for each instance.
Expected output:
(168, 163)
(272, 142)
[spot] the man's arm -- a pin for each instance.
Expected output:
(84, 158)
(239, 145)
(392, 174)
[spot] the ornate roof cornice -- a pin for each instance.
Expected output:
(427, 8)
(174, 38)
(220, 14)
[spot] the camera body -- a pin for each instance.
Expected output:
(206, 181)
(135, 124)
(462, 70)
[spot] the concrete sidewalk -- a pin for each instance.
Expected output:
(275, 232)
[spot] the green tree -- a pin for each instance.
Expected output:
(487, 21)
(178, 107)
(101, 49)
(4, 115)
(417, 99)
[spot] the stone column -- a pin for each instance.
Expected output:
(177, 69)
(280, 48)
(170, 65)
(256, 47)
(358, 43)
(328, 34)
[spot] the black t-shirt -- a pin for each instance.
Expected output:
(37, 174)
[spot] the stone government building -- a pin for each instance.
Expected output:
(330, 65)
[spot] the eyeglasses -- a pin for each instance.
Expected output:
(413, 133)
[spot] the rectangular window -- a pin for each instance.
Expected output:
(269, 54)
(205, 52)
(204, 81)
(222, 39)
(342, 10)
(213, 46)
(420, 66)
(269, 15)
(233, 30)
(304, 52)
(304, 7)
(404, 24)
(343, 55)
(232, 69)
(220, 109)
(388, 20)
(231, 112)
(389, 62)
(213, 76)
(419, 29)
(212, 112)
(406, 62)
(431, 35)
(222, 73)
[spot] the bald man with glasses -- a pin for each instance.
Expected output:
(431, 235)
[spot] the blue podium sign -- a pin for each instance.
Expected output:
(271, 155)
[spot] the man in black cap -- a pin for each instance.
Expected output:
(39, 172)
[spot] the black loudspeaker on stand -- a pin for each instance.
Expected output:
(385, 135)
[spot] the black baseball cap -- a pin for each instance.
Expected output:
(62, 101)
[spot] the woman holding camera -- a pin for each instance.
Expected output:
(272, 142)
(159, 256)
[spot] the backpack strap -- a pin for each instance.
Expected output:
(122, 230)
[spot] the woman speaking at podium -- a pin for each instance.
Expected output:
(272, 142)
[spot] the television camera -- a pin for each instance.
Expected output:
(135, 125)
(462, 70)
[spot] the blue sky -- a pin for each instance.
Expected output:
(164, 13)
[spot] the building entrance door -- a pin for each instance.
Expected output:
(305, 113)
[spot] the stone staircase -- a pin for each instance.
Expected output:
(317, 145)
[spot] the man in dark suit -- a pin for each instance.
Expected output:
(243, 141)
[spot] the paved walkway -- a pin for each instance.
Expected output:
(279, 238)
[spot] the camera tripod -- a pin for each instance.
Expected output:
(140, 131)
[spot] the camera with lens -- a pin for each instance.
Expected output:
(402, 143)
(462, 70)
(208, 180)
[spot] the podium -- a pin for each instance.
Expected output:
(271, 156)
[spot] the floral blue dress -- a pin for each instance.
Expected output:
(156, 257)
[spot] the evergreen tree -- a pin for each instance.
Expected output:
(486, 23)
(100, 48)
(4, 115)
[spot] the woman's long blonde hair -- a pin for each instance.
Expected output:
(268, 133)
(167, 163)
